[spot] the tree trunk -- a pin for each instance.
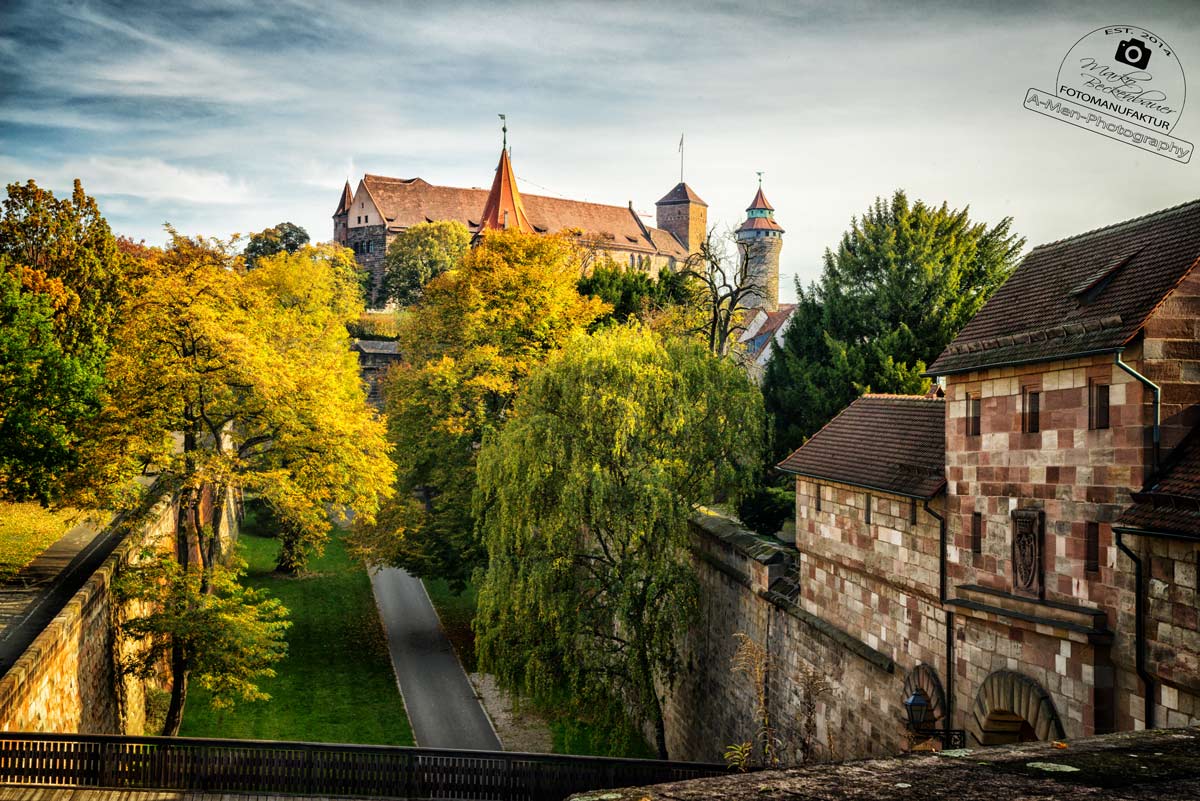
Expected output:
(660, 729)
(179, 688)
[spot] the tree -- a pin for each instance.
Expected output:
(227, 637)
(251, 374)
(903, 281)
(478, 332)
(726, 291)
(421, 253)
(583, 502)
(633, 295)
(285, 237)
(64, 274)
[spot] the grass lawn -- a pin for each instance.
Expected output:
(569, 736)
(336, 683)
(27, 529)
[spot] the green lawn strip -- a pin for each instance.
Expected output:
(336, 683)
(456, 612)
(27, 529)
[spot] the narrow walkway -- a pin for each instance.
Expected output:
(442, 706)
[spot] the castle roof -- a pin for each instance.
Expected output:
(682, 193)
(760, 341)
(503, 208)
(889, 443)
(345, 202)
(760, 202)
(405, 202)
(760, 224)
(1087, 294)
(1170, 502)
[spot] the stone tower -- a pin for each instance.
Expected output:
(761, 239)
(682, 213)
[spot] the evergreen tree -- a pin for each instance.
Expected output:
(902, 283)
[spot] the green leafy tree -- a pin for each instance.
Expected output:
(421, 253)
(469, 344)
(633, 295)
(62, 293)
(225, 636)
(283, 238)
(583, 503)
(903, 281)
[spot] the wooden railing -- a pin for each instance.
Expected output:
(322, 769)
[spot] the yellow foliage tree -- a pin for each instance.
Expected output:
(480, 329)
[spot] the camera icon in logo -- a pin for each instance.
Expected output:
(1134, 53)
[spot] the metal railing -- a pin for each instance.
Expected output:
(268, 767)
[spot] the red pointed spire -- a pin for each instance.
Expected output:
(346, 201)
(503, 208)
(760, 201)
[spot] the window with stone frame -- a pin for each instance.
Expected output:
(976, 533)
(974, 412)
(817, 494)
(1098, 412)
(867, 508)
(1031, 411)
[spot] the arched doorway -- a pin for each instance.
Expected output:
(1013, 708)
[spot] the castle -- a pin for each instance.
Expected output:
(369, 217)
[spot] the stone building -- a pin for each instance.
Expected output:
(1026, 549)
(369, 218)
(375, 357)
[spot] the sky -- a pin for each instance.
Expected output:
(222, 117)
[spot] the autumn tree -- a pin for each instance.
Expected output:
(421, 253)
(225, 379)
(477, 333)
(583, 503)
(63, 274)
(905, 278)
(285, 237)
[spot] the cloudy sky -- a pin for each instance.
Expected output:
(228, 116)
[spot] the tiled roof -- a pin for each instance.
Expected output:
(404, 202)
(1089, 293)
(504, 208)
(1170, 504)
(682, 193)
(760, 202)
(760, 224)
(345, 202)
(890, 443)
(761, 340)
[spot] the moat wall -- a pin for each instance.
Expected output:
(68, 679)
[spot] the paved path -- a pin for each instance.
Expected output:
(442, 706)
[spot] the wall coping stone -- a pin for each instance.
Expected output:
(764, 550)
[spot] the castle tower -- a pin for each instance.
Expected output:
(761, 239)
(504, 208)
(682, 213)
(341, 217)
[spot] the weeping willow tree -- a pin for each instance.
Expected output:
(583, 502)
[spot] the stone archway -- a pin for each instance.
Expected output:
(925, 678)
(1011, 707)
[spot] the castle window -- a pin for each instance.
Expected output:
(867, 509)
(817, 488)
(1091, 559)
(1032, 422)
(974, 411)
(1097, 406)
(912, 510)
(976, 533)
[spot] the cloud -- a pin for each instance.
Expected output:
(147, 178)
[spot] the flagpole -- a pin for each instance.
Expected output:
(681, 158)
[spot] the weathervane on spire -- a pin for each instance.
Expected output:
(759, 174)
(504, 130)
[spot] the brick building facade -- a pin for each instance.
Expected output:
(1058, 598)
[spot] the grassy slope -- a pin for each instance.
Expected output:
(27, 529)
(336, 684)
(570, 736)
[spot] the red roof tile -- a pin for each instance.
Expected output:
(1170, 503)
(760, 224)
(890, 443)
(682, 193)
(404, 202)
(503, 208)
(345, 202)
(1089, 293)
(760, 202)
